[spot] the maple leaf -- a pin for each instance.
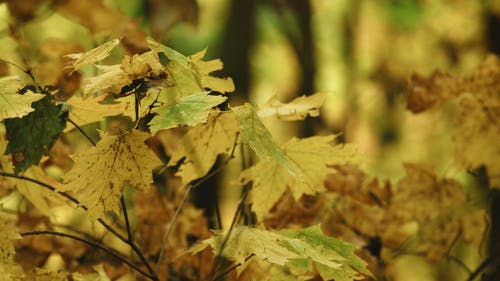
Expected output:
(34, 134)
(190, 111)
(99, 174)
(13, 104)
(201, 145)
(312, 158)
(204, 68)
(299, 251)
(90, 57)
(477, 130)
(8, 233)
(90, 110)
(191, 74)
(478, 122)
(439, 209)
(425, 93)
(112, 79)
(297, 109)
(255, 134)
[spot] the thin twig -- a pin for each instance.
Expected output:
(130, 240)
(233, 224)
(171, 223)
(96, 245)
(125, 215)
(170, 226)
(227, 271)
(495, 256)
(81, 131)
(124, 239)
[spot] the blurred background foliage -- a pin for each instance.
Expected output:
(360, 52)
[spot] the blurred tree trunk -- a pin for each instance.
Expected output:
(236, 42)
(300, 35)
(493, 271)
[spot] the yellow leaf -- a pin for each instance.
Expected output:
(90, 110)
(7, 234)
(204, 68)
(202, 144)
(12, 104)
(311, 157)
(111, 79)
(98, 176)
(297, 109)
(97, 54)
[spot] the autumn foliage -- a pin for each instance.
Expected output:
(103, 146)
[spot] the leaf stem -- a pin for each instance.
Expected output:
(81, 131)
(93, 244)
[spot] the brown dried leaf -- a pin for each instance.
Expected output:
(425, 93)
(101, 19)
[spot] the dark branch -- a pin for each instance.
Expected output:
(124, 239)
(93, 244)
(81, 131)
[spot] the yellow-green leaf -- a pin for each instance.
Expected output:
(12, 104)
(256, 135)
(97, 179)
(97, 54)
(299, 251)
(202, 144)
(90, 110)
(297, 109)
(312, 157)
(204, 68)
(190, 111)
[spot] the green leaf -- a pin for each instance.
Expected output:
(34, 134)
(192, 74)
(190, 111)
(322, 246)
(298, 251)
(12, 104)
(256, 135)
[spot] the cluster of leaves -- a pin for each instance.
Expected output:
(477, 129)
(304, 194)
(162, 90)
